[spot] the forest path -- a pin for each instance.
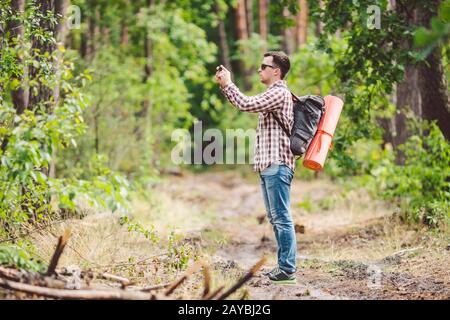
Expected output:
(349, 245)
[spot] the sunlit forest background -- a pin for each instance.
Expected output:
(92, 90)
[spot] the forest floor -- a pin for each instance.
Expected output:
(350, 246)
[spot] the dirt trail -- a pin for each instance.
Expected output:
(349, 245)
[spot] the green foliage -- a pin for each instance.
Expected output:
(420, 187)
(438, 34)
(137, 228)
(179, 252)
(16, 257)
(31, 139)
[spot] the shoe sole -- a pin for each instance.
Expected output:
(284, 282)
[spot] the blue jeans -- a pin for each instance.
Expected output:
(276, 185)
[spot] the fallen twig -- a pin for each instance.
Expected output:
(108, 276)
(244, 279)
(155, 287)
(189, 272)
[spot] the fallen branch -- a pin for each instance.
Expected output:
(244, 279)
(155, 287)
(74, 294)
(10, 274)
(123, 281)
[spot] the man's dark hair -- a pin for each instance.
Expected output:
(281, 60)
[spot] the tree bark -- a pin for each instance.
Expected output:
(408, 96)
(242, 34)
(148, 70)
(223, 43)
(288, 35)
(249, 16)
(302, 23)
(241, 21)
(319, 23)
(262, 12)
(432, 81)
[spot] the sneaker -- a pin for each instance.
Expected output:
(282, 277)
(271, 271)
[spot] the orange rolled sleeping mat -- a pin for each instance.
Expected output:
(318, 149)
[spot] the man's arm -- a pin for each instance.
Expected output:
(269, 100)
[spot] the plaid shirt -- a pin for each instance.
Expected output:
(272, 143)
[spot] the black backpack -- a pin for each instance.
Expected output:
(308, 110)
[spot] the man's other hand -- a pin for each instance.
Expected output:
(223, 76)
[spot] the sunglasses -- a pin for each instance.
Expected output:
(264, 66)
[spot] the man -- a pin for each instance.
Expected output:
(273, 158)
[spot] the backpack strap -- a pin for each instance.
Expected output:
(281, 125)
(295, 99)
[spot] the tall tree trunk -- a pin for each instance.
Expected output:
(249, 16)
(288, 34)
(241, 21)
(302, 23)
(60, 36)
(142, 114)
(319, 23)
(16, 30)
(432, 81)
(42, 93)
(223, 43)
(262, 12)
(408, 97)
(242, 34)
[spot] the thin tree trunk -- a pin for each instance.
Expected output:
(288, 35)
(319, 23)
(249, 15)
(60, 35)
(302, 23)
(16, 30)
(143, 113)
(263, 32)
(223, 43)
(43, 93)
(241, 21)
(242, 34)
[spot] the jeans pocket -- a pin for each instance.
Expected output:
(271, 170)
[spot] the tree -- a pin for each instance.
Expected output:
(262, 13)
(302, 23)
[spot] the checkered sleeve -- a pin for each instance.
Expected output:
(270, 100)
